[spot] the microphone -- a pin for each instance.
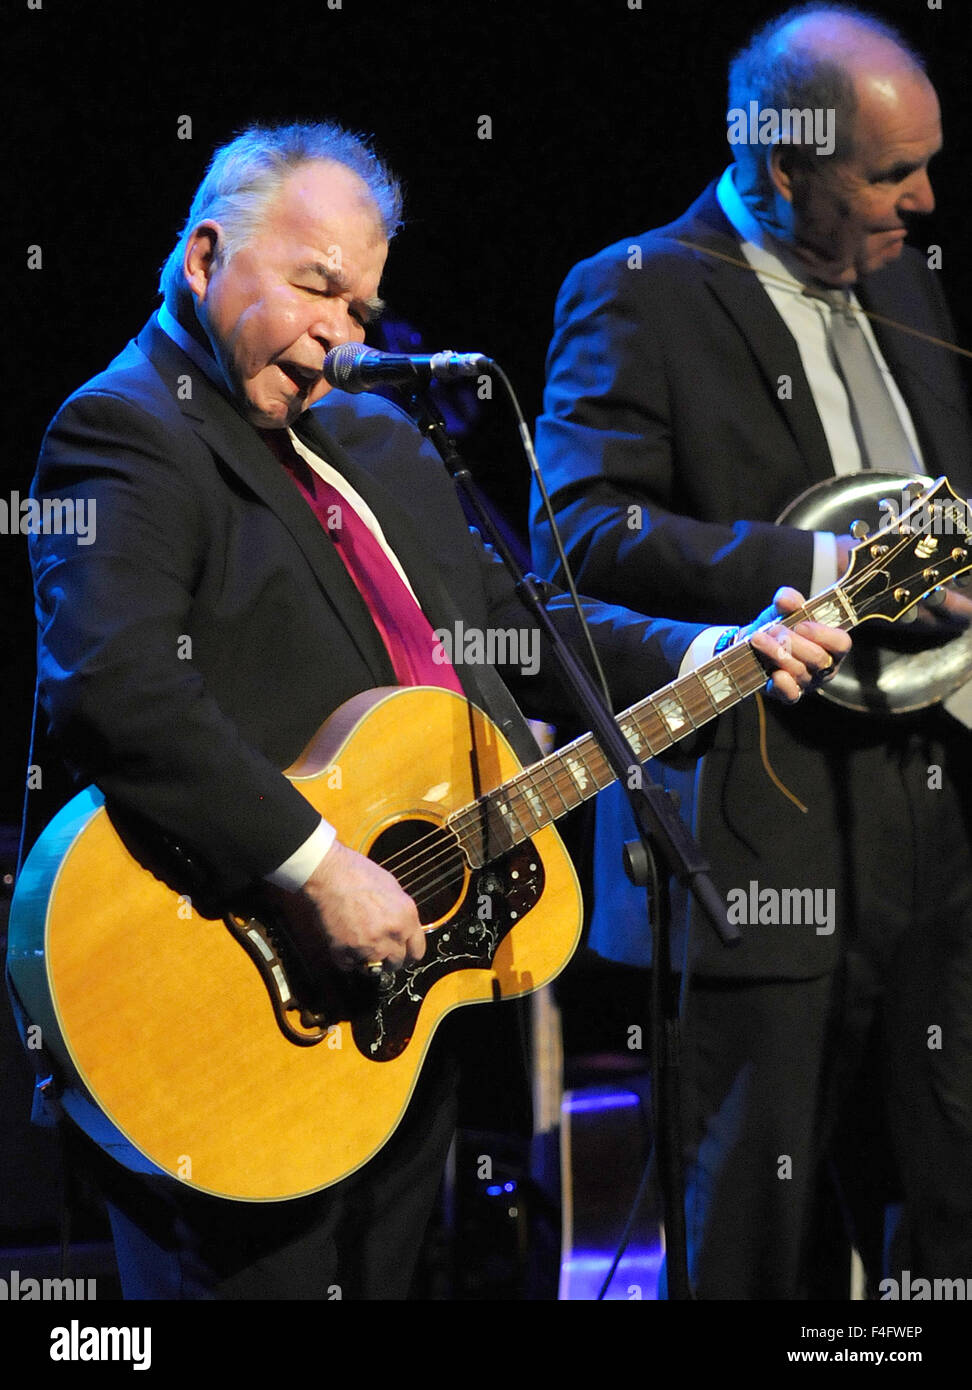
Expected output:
(354, 367)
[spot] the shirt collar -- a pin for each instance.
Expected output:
(763, 250)
(171, 326)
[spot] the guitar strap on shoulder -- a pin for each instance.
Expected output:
(506, 714)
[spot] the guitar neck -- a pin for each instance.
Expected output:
(542, 793)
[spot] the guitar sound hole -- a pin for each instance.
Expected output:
(428, 864)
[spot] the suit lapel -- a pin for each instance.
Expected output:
(242, 451)
(765, 334)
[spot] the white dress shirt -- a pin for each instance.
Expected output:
(783, 277)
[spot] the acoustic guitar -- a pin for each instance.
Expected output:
(225, 1050)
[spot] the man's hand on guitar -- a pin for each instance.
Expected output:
(366, 916)
(796, 658)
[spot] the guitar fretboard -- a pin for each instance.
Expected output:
(547, 790)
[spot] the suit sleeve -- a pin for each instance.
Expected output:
(124, 701)
(622, 380)
(638, 653)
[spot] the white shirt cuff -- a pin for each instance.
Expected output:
(701, 649)
(296, 870)
(824, 572)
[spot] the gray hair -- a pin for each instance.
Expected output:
(782, 71)
(245, 175)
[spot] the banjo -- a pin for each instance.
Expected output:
(892, 670)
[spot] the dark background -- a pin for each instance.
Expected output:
(605, 120)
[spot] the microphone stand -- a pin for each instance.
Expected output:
(659, 828)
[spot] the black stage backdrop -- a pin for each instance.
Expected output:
(605, 118)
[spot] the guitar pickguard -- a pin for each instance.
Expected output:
(311, 999)
(496, 899)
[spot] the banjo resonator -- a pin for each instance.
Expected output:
(891, 670)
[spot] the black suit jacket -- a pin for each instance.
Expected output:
(193, 649)
(670, 444)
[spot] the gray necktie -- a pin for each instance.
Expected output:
(880, 434)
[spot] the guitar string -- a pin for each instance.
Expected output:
(424, 874)
(551, 770)
(451, 855)
(470, 818)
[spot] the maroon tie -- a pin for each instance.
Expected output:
(404, 628)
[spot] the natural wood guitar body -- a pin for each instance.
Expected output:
(162, 1017)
